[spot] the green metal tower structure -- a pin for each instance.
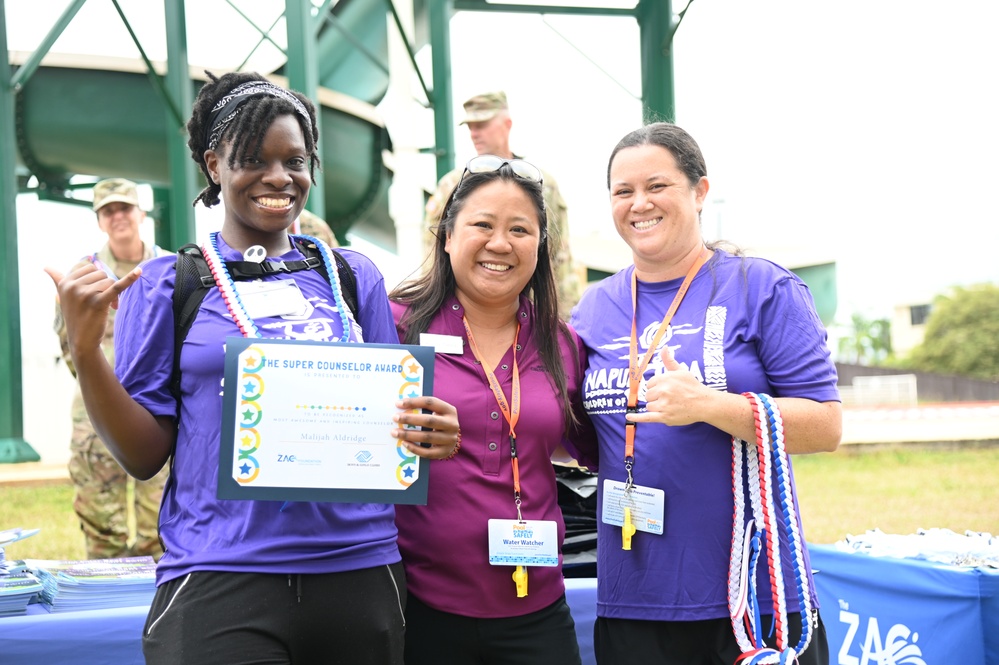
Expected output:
(335, 48)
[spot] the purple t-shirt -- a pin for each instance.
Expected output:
(744, 325)
(200, 531)
(444, 544)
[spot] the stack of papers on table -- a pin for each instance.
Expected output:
(95, 584)
(18, 587)
(16, 591)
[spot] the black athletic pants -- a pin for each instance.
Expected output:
(213, 618)
(710, 642)
(545, 637)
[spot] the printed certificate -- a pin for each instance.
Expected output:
(310, 421)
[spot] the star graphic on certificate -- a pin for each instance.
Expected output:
(245, 469)
(251, 361)
(414, 368)
(408, 472)
(248, 414)
(250, 387)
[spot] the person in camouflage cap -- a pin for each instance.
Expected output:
(102, 486)
(487, 117)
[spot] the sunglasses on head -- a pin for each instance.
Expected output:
(490, 163)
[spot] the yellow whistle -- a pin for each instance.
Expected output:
(627, 530)
(520, 577)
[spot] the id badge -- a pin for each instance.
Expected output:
(648, 506)
(280, 297)
(523, 543)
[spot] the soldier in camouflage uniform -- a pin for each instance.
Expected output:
(101, 483)
(488, 119)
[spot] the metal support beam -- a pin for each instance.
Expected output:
(409, 47)
(176, 225)
(531, 8)
(355, 42)
(265, 35)
(28, 68)
(153, 76)
(656, 25)
(656, 28)
(303, 76)
(13, 447)
(260, 43)
(440, 46)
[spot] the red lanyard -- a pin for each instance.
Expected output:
(510, 409)
(635, 370)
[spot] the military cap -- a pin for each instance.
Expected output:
(484, 107)
(114, 190)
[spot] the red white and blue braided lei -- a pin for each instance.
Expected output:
(756, 471)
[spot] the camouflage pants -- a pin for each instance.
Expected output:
(101, 500)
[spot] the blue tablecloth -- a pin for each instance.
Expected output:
(114, 637)
(876, 610)
(97, 637)
(581, 594)
(906, 611)
(916, 612)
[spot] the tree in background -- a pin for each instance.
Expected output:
(868, 342)
(962, 334)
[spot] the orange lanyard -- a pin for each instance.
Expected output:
(510, 409)
(635, 370)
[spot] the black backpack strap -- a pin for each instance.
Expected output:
(240, 270)
(192, 281)
(348, 283)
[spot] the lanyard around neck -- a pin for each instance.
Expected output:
(510, 409)
(636, 369)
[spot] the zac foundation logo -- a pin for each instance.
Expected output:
(896, 646)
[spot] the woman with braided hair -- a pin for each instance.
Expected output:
(244, 580)
(706, 368)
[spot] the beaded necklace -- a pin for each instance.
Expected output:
(230, 296)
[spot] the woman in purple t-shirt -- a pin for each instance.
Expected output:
(483, 557)
(690, 349)
(246, 580)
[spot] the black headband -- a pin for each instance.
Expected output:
(227, 108)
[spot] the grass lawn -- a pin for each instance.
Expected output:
(47, 507)
(897, 490)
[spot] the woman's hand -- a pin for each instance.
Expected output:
(139, 441)
(438, 436)
(85, 296)
(674, 397)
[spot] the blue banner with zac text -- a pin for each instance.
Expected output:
(888, 611)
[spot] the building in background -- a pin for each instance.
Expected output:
(908, 326)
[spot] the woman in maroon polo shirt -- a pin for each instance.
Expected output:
(483, 557)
